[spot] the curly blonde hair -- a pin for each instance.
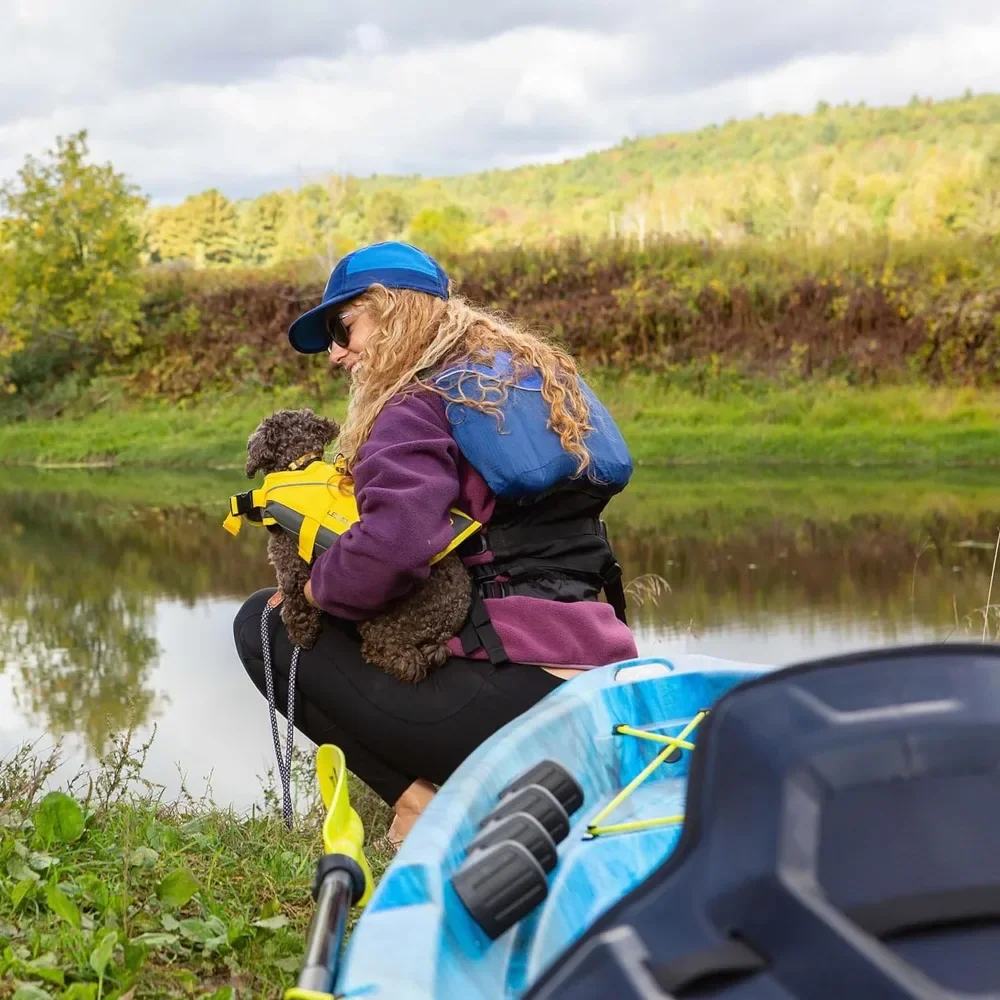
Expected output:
(417, 336)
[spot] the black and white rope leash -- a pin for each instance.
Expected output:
(284, 763)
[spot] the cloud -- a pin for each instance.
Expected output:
(246, 96)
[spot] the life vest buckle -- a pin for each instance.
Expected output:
(242, 505)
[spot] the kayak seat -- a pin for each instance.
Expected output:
(840, 837)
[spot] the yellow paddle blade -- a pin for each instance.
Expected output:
(295, 993)
(343, 831)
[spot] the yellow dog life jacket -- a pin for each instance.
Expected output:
(315, 505)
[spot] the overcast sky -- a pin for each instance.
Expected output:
(250, 95)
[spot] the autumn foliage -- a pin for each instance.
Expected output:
(870, 314)
(856, 243)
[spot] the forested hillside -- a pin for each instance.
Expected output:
(927, 169)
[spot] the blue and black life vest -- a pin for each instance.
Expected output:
(546, 535)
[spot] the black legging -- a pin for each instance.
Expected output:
(391, 733)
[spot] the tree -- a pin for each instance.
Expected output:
(319, 221)
(77, 622)
(259, 224)
(387, 214)
(202, 229)
(174, 232)
(311, 222)
(70, 235)
(216, 217)
(438, 231)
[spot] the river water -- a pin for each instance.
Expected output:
(118, 590)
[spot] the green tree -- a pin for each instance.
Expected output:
(259, 224)
(202, 229)
(173, 232)
(313, 225)
(215, 216)
(387, 214)
(71, 241)
(444, 230)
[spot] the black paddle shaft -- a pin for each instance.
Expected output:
(326, 932)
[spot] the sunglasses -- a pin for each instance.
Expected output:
(337, 332)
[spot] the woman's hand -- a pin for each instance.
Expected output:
(307, 591)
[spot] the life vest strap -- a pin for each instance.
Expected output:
(232, 524)
(307, 538)
(478, 631)
(614, 591)
(463, 527)
(249, 505)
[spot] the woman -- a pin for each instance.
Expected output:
(412, 349)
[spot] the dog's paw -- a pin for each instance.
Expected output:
(405, 663)
(304, 640)
(302, 624)
(305, 636)
(411, 666)
(434, 654)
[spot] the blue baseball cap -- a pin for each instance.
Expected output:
(395, 265)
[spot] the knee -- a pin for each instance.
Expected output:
(246, 625)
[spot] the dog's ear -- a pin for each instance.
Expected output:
(261, 447)
(331, 429)
(253, 455)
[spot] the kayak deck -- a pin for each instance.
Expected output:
(417, 941)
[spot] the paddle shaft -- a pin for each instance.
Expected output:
(326, 933)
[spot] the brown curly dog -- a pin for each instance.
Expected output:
(408, 640)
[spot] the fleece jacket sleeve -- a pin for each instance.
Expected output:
(406, 479)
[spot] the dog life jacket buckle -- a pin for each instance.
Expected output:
(243, 505)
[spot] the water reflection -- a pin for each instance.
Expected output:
(116, 604)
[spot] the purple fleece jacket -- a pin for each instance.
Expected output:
(409, 473)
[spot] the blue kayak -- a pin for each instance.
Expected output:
(696, 828)
(548, 824)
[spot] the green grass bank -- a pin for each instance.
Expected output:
(111, 893)
(722, 421)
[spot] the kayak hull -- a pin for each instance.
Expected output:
(417, 941)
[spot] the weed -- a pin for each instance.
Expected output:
(109, 892)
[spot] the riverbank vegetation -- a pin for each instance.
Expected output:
(897, 286)
(112, 892)
(725, 421)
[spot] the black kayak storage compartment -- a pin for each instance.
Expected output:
(841, 840)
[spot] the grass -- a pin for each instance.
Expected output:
(109, 892)
(665, 423)
(202, 435)
(807, 425)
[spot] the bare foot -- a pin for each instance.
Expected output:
(408, 808)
